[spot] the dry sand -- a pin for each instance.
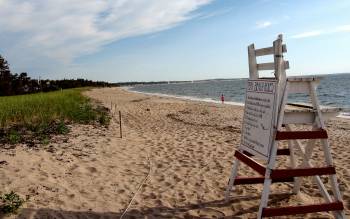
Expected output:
(187, 146)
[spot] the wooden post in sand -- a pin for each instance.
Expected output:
(267, 121)
(120, 124)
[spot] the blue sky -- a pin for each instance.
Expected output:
(153, 40)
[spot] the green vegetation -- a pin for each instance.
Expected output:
(63, 129)
(42, 114)
(10, 203)
(14, 137)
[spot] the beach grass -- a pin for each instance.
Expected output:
(47, 112)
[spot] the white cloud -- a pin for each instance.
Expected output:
(343, 28)
(308, 34)
(65, 29)
(338, 29)
(263, 24)
(215, 13)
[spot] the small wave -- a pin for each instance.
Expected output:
(208, 100)
(344, 115)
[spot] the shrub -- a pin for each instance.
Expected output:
(10, 203)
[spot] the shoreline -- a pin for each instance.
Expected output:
(342, 114)
(191, 98)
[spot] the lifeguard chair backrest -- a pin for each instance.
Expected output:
(278, 65)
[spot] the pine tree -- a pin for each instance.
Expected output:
(5, 77)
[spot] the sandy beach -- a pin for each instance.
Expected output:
(184, 148)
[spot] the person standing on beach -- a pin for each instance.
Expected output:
(222, 98)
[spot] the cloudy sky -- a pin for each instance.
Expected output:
(151, 40)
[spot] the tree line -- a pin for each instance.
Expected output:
(16, 84)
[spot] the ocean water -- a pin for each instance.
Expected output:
(334, 90)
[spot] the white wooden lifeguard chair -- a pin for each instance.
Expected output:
(266, 99)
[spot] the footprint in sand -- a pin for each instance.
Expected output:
(121, 191)
(152, 196)
(91, 169)
(93, 159)
(205, 213)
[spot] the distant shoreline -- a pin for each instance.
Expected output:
(343, 114)
(191, 98)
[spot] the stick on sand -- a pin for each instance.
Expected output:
(120, 124)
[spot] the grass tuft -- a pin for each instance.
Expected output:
(62, 128)
(14, 137)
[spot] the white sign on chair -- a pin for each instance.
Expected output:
(259, 117)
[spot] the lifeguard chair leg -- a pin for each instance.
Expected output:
(333, 178)
(232, 179)
(265, 194)
(326, 148)
(267, 182)
(293, 163)
(273, 153)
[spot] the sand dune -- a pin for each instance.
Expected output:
(186, 147)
